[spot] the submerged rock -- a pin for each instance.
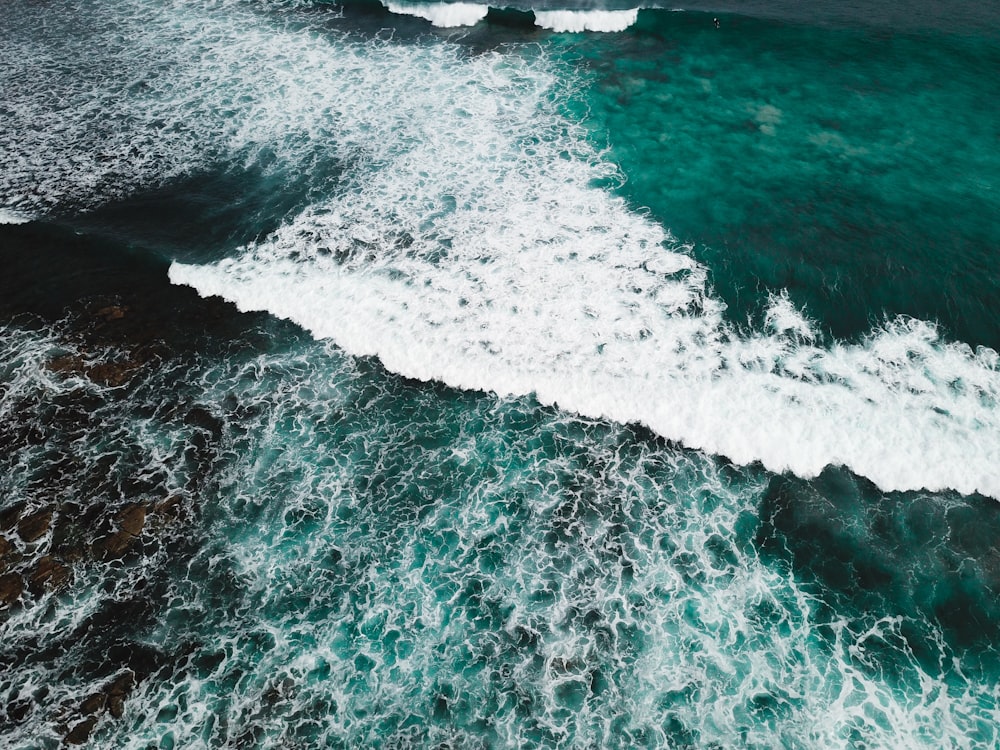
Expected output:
(132, 519)
(113, 545)
(93, 704)
(9, 517)
(111, 700)
(8, 555)
(167, 513)
(11, 588)
(67, 364)
(130, 522)
(49, 574)
(35, 526)
(112, 312)
(80, 733)
(69, 539)
(111, 374)
(117, 692)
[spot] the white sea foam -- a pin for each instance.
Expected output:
(442, 14)
(449, 15)
(371, 544)
(595, 591)
(473, 249)
(133, 102)
(12, 217)
(464, 242)
(575, 21)
(521, 580)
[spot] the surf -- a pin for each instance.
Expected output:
(458, 230)
(484, 257)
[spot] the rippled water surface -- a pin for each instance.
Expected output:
(370, 383)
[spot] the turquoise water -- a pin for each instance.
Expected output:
(565, 390)
(855, 169)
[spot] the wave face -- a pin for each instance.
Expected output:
(590, 20)
(451, 15)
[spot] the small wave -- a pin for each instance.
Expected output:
(450, 15)
(575, 21)
(442, 15)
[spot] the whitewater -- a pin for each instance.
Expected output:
(425, 511)
(471, 246)
(452, 15)
(468, 232)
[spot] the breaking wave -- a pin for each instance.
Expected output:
(456, 229)
(443, 15)
(473, 247)
(450, 15)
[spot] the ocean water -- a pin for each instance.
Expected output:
(449, 376)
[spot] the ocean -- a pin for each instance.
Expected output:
(558, 375)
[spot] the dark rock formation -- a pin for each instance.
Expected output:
(9, 517)
(11, 588)
(171, 509)
(49, 574)
(130, 522)
(111, 374)
(117, 692)
(80, 733)
(110, 699)
(132, 518)
(111, 312)
(36, 525)
(7, 555)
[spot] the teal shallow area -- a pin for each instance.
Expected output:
(337, 556)
(377, 563)
(855, 168)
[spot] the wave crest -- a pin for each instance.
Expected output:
(475, 250)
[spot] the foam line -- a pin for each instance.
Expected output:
(575, 21)
(460, 238)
